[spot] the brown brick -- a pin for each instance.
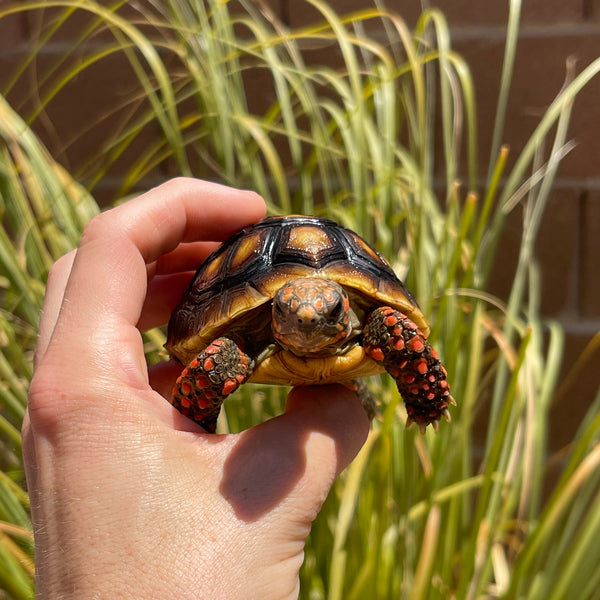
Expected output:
(70, 25)
(590, 256)
(61, 25)
(551, 11)
(458, 12)
(591, 10)
(556, 254)
(141, 15)
(578, 387)
(277, 7)
(9, 64)
(538, 76)
(91, 108)
(301, 13)
(11, 32)
(495, 12)
(466, 12)
(506, 257)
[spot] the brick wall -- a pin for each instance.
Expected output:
(552, 31)
(569, 245)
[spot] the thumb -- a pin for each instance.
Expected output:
(291, 461)
(336, 413)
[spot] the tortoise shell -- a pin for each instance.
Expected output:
(233, 288)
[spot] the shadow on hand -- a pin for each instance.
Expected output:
(270, 459)
(263, 468)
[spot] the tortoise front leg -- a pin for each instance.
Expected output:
(209, 378)
(392, 339)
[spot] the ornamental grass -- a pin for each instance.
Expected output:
(385, 140)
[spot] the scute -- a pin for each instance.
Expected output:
(363, 248)
(243, 275)
(309, 242)
(246, 251)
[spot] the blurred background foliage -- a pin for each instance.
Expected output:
(481, 510)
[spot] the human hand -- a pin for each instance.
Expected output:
(129, 498)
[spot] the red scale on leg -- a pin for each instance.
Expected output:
(398, 344)
(209, 378)
(377, 354)
(229, 386)
(421, 366)
(185, 388)
(202, 381)
(392, 339)
(416, 344)
(391, 320)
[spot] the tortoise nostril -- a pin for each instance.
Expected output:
(302, 321)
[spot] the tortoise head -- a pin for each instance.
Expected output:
(311, 316)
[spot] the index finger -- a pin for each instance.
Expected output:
(108, 280)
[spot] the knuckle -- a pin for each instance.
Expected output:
(47, 399)
(98, 227)
(179, 184)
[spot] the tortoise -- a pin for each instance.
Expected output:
(300, 300)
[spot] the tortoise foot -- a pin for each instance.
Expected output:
(392, 339)
(367, 399)
(209, 378)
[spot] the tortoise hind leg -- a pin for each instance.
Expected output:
(367, 399)
(209, 378)
(393, 340)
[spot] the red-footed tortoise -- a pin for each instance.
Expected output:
(301, 301)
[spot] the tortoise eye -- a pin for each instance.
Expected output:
(336, 311)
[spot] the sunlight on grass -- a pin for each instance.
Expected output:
(468, 513)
